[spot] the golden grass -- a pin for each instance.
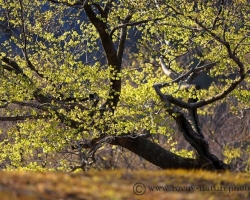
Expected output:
(120, 184)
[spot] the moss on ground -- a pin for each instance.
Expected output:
(120, 184)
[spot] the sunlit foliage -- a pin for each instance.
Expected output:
(55, 75)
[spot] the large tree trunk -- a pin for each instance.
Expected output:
(159, 156)
(155, 154)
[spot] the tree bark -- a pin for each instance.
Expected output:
(155, 154)
(188, 124)
(111, 55)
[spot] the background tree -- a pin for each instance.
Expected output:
(64, 84)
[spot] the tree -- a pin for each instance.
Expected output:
(63, 80)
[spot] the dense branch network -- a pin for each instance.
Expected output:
(188, 121)
(197, 70)
(183, 112)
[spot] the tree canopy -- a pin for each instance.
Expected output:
(76, 75)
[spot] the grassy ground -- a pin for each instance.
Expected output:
(146, 185)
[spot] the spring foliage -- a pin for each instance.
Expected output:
(52, 63)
